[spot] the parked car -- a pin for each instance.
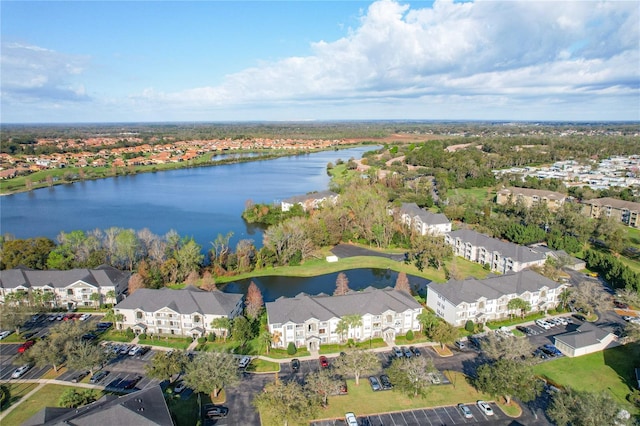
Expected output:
(131, 383)
(133, 351)
(485, 408)
(104, 325)
(324, 362)
(89, 336)
(98, 376)
(543, 324)
(435, 378)
(415, 351)
(78, 377)
(552, 349)
(295, 364)
(84, 317)
(620, 305)
(244, 362)
(460, 345)
(26, 345)
(20, 371)
(466, 411)
(385, 382)
(397, 352)
(180, 386)
(407, 352)
(540, 354)
(375, 383)
(351, 419)
(124, 349)
(143, 350)
(4, 334)
(215, 412)
(526, 330)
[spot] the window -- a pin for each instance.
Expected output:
(196, 319)
(322, 331)
(290, 327)
(139, 315)
(70, 292)
(388, 318)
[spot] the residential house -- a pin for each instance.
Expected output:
(147, 407)
(501, 256)
(309, 321)
(458, 301)
(530, 197)
(72, 288)
(423, 221)
(586, 339)
(626, 212)
(186, 312)
(309, 201)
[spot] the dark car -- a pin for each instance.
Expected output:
(375, 383)
(89, 336)
(324, 362)
(523, 329)
(553, 349)
(96, 378)
(415, 351)
(214, 412)
(143, 350)
(29, 335)
(385, 382)
(131, 383)
(78, 377)
(104, 325)
(407, 352)
(620, 305)
(538, 353)
(398, 352)
(295, 364)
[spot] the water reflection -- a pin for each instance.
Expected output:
(274, 287)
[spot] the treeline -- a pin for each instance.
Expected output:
(613, 270)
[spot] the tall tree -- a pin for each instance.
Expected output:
(166, 365)
(210, 372)
(136, 282)
(266, 339)
(519, 305)
(590, 296)
(357, 363)
(495, 348)
(13, 316)
(412, 375)
(509, 378)
(83, 355)
(402, 283)
(323, 383)
(254, 302)
(241, 330)
(32, 253)
(444, 333)
(428, 320)
(189, 257)
(342, 285)
(342, 328)
(584, 409)
(287, 402)
(222, 324)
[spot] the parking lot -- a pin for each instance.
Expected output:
(449, 415)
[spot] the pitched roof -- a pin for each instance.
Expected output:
(311, 196)
(144, 407)
(185, 301)
(516, 252)
(371, 300)
(425, 216)
(492, 288)
(614, 202)
(530, 192)
(102, 276)
(586, 335)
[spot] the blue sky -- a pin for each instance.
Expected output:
(119, 61)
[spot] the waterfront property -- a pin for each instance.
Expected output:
(501, 256)
(626, 212)
(586, 339)
(530, 197)
(69, 289)
(309, 321)
(458, 301)
(186, 312)
(309, 201)
(423, 221)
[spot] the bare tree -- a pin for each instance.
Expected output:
(342, 284)
(208, 281)
(494, 347)
(254, 302)
(135, 282)
(402, 283)
(591, 297)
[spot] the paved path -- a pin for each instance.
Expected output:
(349, 250)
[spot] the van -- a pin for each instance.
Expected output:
(244, 361)
(460, 345)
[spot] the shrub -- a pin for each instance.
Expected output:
(211, 337)
(291, 349)
(202, 340)
(5, 395)
(143, 336)
(469, 326)
(409, 336)
(130, 334)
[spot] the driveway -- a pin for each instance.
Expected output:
(348, 250)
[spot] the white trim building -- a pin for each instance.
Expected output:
(309, 321)
(486, 300)
(309, 201)
(587, 338)
(423, 221)
(187, 312)
(71, 288)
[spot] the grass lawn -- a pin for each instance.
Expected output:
(186, 412)
(13, 338)
(17, 391)
(362, 400)
(52, 374)
(365, 344)
(282, 353)
(167, 342)
(480, 194)
(607, 371)
(261, 366)
(48, 396)
(116, 336)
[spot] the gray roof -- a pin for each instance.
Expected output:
(425, 216)
(530, 192)
(491, 288)
(615, 203)
(585, 335)
(185, 301)
(144, 407)
(311, 196)
(506, 249)
(371, 300)
(102, 276)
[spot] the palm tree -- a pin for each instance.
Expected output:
(519, 304)
(564, 297)
(111, 295)
(266, 339)
(341, 328)
(222, 323)
(353, 321)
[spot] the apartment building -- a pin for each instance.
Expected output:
(423, 221)
(530, 197)
(625, 211)
(309, 201)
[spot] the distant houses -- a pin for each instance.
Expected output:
(480, 301)
(309, 321)
(309, 201)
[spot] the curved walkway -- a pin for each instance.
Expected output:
(348, 250)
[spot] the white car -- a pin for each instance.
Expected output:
(20, 371)
(543, 324)
(85, 317)
(351, 419)
(4, 334)
(466, 411)
(244, 361)
(485, 408)
(133, 351)
(179, 387)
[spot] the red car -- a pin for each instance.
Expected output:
(26, 345)
(324, 362)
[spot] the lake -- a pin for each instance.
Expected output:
(359, 279)
(199, 202)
